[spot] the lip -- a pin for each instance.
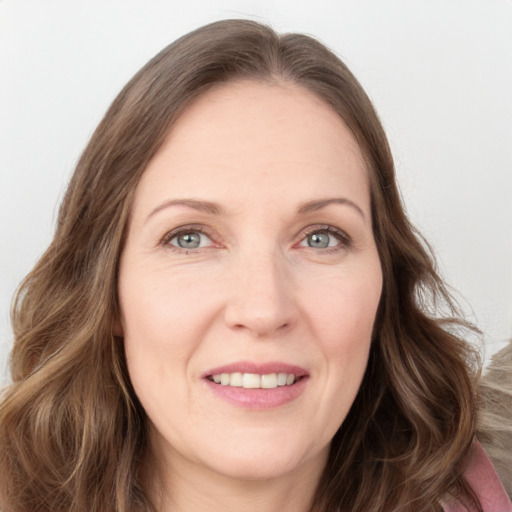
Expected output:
(258, 399)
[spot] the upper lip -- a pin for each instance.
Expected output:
(257, 368)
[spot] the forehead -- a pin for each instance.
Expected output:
(250, 135)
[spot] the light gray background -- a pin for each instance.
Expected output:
(438, 71)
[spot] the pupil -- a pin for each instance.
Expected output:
(319, 240)
(189, 240)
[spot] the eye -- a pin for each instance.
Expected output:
(188, 239)
(325, 238)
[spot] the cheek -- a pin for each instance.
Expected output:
(154, 323)
(343, 322)
(166, 315)
(161, 334)
(344, 309)
(158, 306)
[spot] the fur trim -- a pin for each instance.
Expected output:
(495, 421)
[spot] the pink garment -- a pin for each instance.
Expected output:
(482, 477)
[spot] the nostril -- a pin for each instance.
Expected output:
(261, 330)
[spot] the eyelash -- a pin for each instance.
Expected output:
(192, 228)
(344, 239)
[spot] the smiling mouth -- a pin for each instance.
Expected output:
(254, 380)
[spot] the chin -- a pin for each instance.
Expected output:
(257, 468)
(268, 460)
(248, 452)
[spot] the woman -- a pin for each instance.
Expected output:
(235, 312)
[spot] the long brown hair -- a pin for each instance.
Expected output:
(73, 436)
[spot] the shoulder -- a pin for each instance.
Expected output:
(484, 481)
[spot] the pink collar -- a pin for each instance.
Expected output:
(484, 481)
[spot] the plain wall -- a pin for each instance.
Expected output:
(438, 71)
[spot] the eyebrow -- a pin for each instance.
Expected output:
(216, 209)
(312, 206)
(202, 206)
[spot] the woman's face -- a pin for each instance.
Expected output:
(250, 259)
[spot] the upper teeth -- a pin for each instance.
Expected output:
(254, 380)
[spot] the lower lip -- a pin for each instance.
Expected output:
(258, 398)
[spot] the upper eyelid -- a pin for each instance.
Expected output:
(325, 227)
(173, 233)
(321, 227)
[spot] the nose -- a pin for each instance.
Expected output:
(260, 296)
